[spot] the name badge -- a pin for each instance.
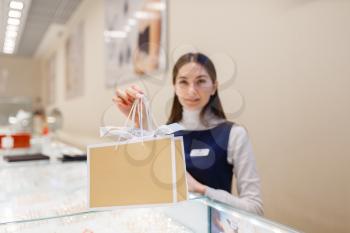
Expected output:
(199, 152)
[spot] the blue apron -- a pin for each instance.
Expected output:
(212, 168)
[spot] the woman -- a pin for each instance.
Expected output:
(216, 150)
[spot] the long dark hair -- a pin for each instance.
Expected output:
(214, 103)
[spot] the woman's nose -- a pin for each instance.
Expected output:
(192, 89)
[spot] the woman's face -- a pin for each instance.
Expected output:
(193, 86)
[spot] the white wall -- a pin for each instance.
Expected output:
(293, 65)
(23, 77)
(293, 70)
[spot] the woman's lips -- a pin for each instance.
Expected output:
(192, 100)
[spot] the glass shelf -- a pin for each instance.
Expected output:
(42, 190)
(197, 215)
(52, 197)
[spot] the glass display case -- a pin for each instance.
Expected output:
(51, 196)
(9, 106)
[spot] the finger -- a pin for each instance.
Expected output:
(122, 104)
(132, 94)
(121, 94)
(137, 89)
(118, 99)
(125, 97)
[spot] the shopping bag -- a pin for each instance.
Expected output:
(141, 170)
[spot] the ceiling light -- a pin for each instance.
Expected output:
(10, 40)
(12, 21)
(11, 34)
(7, 51)
(8, 46)
(15, 14)
(16, 5)
(9, 43)
(12, 28)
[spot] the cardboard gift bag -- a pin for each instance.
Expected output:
(137, 172)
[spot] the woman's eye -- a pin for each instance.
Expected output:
(201, 81)
(182, 82)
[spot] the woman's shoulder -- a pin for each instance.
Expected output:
(234, 125)
(238, 139)
(238, 131)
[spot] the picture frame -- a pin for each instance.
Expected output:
(74, 51)
(136, 39)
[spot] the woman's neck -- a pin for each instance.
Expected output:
(191, 119)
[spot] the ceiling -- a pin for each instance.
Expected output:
(38, 17)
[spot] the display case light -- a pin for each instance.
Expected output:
(115, 34)
(144, 15)
(127, 28)
(132, 22)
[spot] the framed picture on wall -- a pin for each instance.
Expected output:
(74, 48)
(135, 39)
(50, 75)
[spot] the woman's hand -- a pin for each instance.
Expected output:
(194, 185)
(125, 99)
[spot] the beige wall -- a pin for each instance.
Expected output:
(292, 59)
(24, 77)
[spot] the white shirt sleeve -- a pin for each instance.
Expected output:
(240, 154)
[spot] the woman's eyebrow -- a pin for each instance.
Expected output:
(202, 76)
(199, 76)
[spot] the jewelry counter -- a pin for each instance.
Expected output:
(51, 196)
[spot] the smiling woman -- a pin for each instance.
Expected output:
(194, 86)
(216, 150)
(195, 83)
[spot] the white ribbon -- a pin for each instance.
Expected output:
(140, 106)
